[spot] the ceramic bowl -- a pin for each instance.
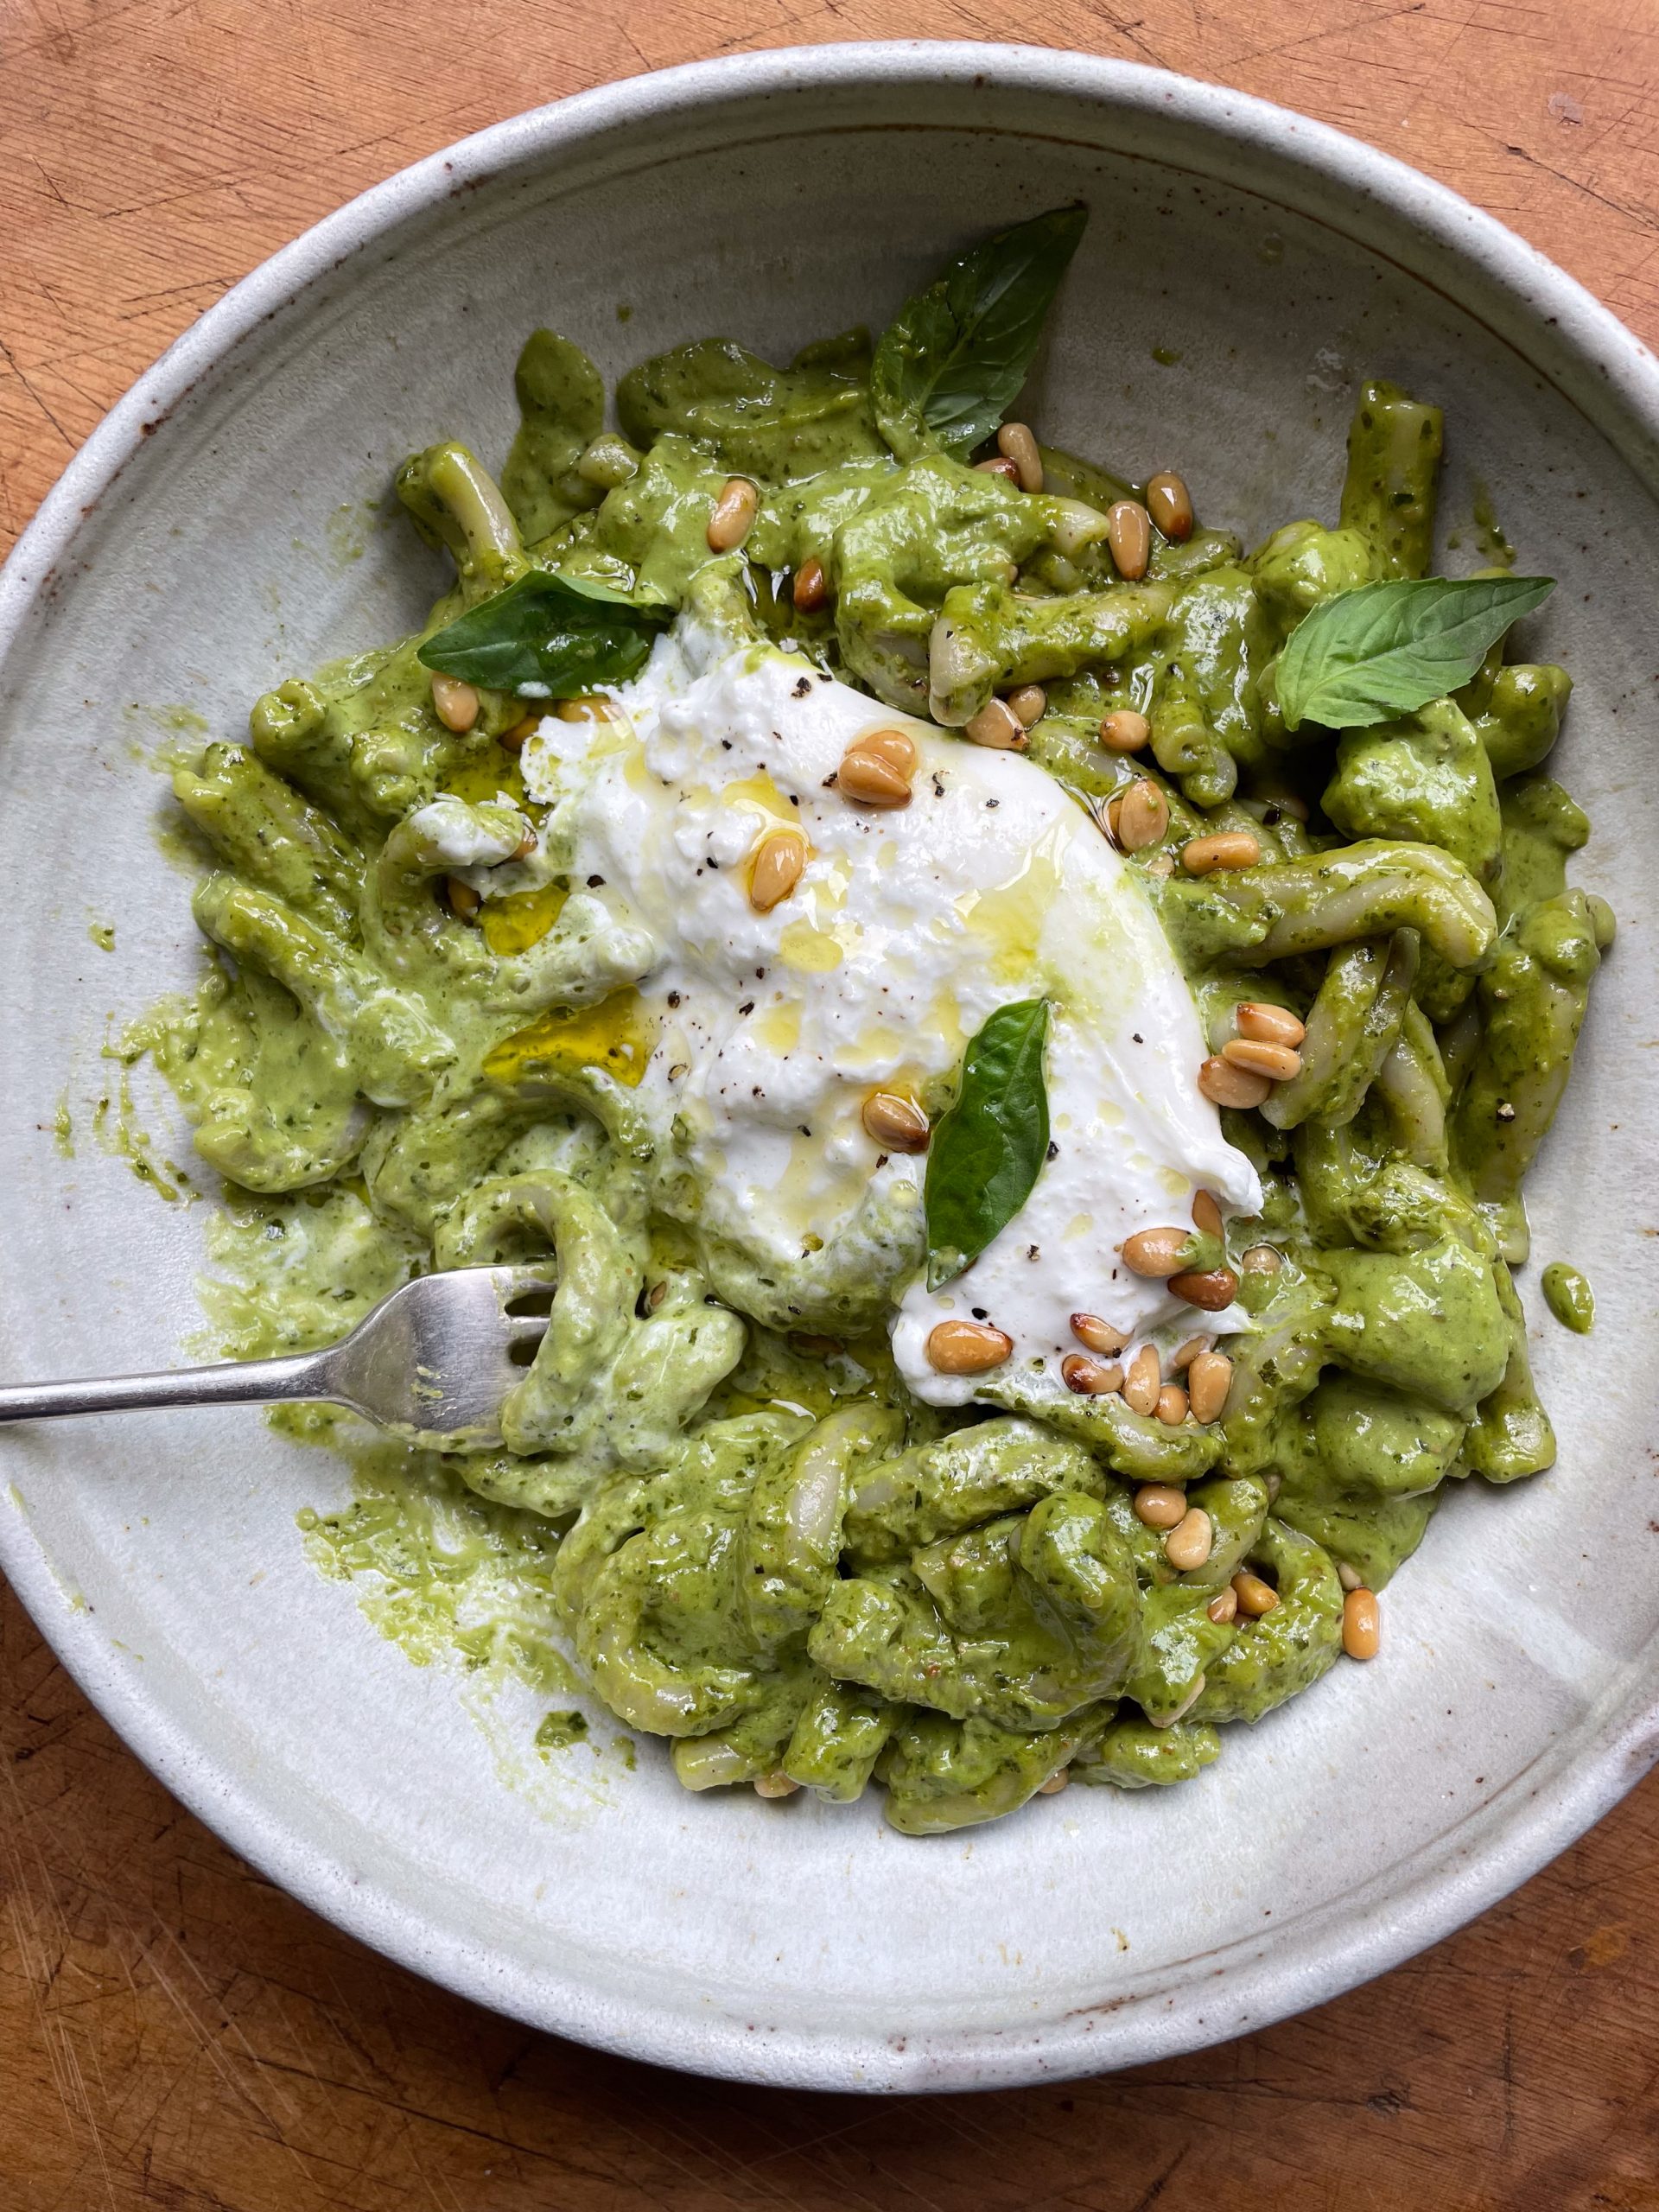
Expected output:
(223, 528)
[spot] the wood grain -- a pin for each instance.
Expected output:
(176, 2033)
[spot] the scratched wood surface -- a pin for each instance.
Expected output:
(175, 2033)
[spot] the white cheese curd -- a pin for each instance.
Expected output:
(907, 929)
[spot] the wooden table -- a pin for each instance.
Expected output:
(174, 2032)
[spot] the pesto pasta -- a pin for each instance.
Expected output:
(829, 1494)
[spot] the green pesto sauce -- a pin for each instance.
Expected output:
(1569, 1298)
(750, 1539)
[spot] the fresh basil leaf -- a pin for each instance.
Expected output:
(952, 362)
(1388, 649)
(553, 637)
(988, 1150)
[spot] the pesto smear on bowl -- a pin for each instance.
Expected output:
(1018, 1024)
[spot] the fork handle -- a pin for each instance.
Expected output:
(235, 1383)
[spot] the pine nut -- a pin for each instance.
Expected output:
(1155, 1252)
(1269, 1025)
(1015, 443)
(998, 726)
(734, 514)
(1099, 1336)
(1171, 1408)
(896, 746)
(1186, 1353)
(1090, 1378)
(1208, 1380)
(775, 868)
(811, 587)
(525, 846)
(1362, 1627)
(1126, 731)
(1055, 1783)
(1190, 1542)
(1008, 470)
(774, 1785)
(1211, 1289)
(1160, 1505)
(1185, 1706)
(1206, 1214)
(896, 1123)
(869, 779)
(1263, 1259)
(966, 1348)
(464, 901)
(1224, 1607)
(1129, 533)
(1170, 505)
(520, 733)
(455, 703)
(1350, 1577)
(1278, 1062)
(1255, 1596)
(1029, 704)
(1226, 848)
(1142, 816)
(1224, 1085)
(1143, 1381)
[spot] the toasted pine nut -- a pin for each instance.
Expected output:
(1261, 1260)
(1142, 816)
(464, 901)
(1099, 1336)
(1126, 731)
(997, 725)
(1350, 1577)
(733, 517)
(1029, 702)
(896, 746)
(1255, 1596)
(1278, 1062)
(1155, 1252)
(455, 703)
(1185, 1706)
(1186, 1354)
(1015, 443)
(1208, 1380)
(1055, 1783)
(1001, 467)
(775, 868)
(774, 1785)
(1206, 1214)
(1225, 1085)
(1170, 505)
(1269, 1025)
(1190, 1542)
(811, 587)
(520, 733)
(966, 1348)
(1362, 1627)
(1143, 1381)
(1224, 1607)
(896, 1123)
(1090, 1378)
(869, 778)
(1129, 533)
(1171, 1408)
(525, 846)
(1211, 1288)
(1227, 849)
(1160, 1505)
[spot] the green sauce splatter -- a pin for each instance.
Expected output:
(1496, 549)
(1569, 1298)
(103, 935)
(559, 1731)
(1165, 356)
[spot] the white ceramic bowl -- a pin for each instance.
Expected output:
(197, 550)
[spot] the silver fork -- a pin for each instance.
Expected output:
(432, 1364)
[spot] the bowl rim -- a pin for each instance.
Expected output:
(1424, 1896)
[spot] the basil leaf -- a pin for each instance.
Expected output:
(988, 1150)
(555, 637)
(952, 364)
(1388, 649)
